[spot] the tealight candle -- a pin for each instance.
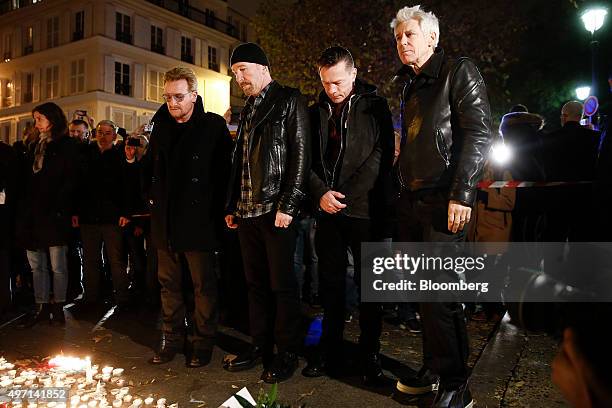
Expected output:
(117, 372)
(137, 402)
(51, 404)
(115, 391)
(127, 398)
(120, 382)
(149, 400)
(6, 383)
(106, 377)
(75, 399)
(83, 406)
(32, 405)
(107, 370)
(85, 397)
(92, 403)
(12, 373)
(117, 403)
(161, 401)
(19, 380)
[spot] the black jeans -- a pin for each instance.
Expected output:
(274, 305)
(5, 280)
(204, 278)
(92, 237)
(422, 217)
(334, 235)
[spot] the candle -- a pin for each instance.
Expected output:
(117, 372)
(161, 401)
(149, 400)
(106, 377)
(75, 400)
(92, 403)
(115, 391)
(85, 397)
(107, 370)
(120, 382)
(117, 403)
(137, 402)
(127, 398)
(51, 404)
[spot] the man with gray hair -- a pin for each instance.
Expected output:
(184, 177)
(446, 133)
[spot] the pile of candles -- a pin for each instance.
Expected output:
(89, 386)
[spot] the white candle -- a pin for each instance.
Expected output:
(127, 398)
(161, 401)
(121, 382)
(92, 403)
(75, 400)
(117, 372)
(149, 400)
(107, 370)
(106, 377)
(117, 403)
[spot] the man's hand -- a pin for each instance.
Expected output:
(329, 202)
(282, 220)
(458, 216)
(230, 222)
(123, 221)
(75, 221)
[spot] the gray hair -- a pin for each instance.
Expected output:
(107, 122)
(427, 20)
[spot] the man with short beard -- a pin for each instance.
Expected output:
(185, 178)
(269, 169)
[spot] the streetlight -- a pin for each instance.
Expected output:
(593, 19)
(583, 92)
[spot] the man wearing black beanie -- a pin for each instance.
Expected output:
(267, 181)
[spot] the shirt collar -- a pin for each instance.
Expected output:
(256, 100)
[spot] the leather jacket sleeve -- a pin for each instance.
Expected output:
(298, 157)
(472, 122)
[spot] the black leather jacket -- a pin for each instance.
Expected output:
(363, 170)
(279, 155)
(446, 127)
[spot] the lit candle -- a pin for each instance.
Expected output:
(161, 401)
(137, 402)
(120, 382)
(117, 372)
(75, 400)
(117, 403)
(92, 403)
(127, 398)
(51, 404)
(107, 370)
(149, 400)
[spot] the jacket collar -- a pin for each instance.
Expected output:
(267, 104)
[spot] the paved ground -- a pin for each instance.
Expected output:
(510, 370)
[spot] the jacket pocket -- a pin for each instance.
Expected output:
(442, 147)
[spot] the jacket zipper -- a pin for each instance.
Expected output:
(344, 125)
(399, 168)
(441, 146)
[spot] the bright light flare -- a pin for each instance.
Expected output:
(501, 153)
(593, 19)
(64, 363)
(583, 92)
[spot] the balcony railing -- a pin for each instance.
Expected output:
(77, 35)
(158, 48)
(187, 58)
(123, 89)
(198, 16)
(124, 37)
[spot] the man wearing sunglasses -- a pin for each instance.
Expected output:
(183, 178)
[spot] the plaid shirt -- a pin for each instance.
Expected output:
(246, 207)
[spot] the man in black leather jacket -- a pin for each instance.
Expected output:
(352, 145)
(269, 168)
(446, 133)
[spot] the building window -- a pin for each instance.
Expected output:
(157, 39)
(244, 33)
(5, 132)
(124, 118)
(28, 87)
(123, 28)
(77, 76)
(8, 47)
(213, 62)
(28, 40)
(7, 93)
(52, 32)
(79, 26)
(156, 86)
(122, 79)
(186, 54)
(52, 82)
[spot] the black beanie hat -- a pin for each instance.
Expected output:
(249, 52)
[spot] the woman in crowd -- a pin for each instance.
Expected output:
(49, 171)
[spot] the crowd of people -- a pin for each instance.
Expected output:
(303, 187)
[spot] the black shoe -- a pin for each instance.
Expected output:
(457, 398)
(246, 360)
(169, 345)
(315, 366)
(372, 371)
(41, 315)
(281, 369)
(57, 310)
(422, 383)
(412, 325)
(199, 358)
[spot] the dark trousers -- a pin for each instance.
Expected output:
(92, 237)
(5, 280)
(422, 217)
(274, 306)
(75, 263)
(204, 279)
(137, 258)
(334, 235)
